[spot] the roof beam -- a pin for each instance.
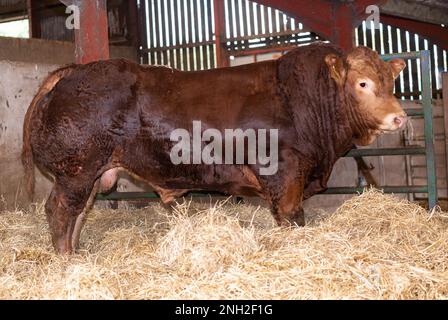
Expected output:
(414, 10)
(333, 20)
(435, 33)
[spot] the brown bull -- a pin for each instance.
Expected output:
(89, 121)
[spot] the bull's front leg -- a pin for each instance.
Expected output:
(285, 190)
(286, 202)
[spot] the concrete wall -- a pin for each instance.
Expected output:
(19, 82)
(50, 52)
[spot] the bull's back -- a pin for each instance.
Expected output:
(219, 98)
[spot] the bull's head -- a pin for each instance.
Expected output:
(369, 81)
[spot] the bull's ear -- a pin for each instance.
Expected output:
(336, 68)
(397, 66)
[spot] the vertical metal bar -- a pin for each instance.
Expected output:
(440, 63)
(433, 72)
(425, 63)
(445, 116)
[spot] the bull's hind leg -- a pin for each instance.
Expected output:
(286, 192)
(104, 184)
(65, 204)
(81, 219)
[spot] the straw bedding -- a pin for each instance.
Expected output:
(374, 246)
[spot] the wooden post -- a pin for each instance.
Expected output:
(222, 56)
(133, 23)
(344, 19)
(445, 117)
(92, 38)
(33, 19)
(143, 36)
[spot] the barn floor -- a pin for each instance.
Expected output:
(374, 247)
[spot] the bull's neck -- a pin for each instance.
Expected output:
(336, 134)
(322, 125)
(360, 123)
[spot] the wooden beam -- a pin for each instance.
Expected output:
(332, 20)
(344, 19)
(222, 56)
(133, 23)
(92, 38)
(33, 18)
(433, 32)
(423, 11)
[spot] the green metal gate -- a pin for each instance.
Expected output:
(428, 150)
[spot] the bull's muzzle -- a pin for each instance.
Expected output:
(400, 121)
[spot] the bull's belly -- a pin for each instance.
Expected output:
(237, 182)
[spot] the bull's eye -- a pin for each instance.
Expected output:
(363, 84)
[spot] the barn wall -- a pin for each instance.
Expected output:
(18, 83)
(51, 52)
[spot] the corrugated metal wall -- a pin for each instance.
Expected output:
(250, 25)
(180, 33)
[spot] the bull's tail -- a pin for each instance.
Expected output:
(27, 152)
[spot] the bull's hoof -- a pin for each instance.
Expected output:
(296, 220)
(62, 247)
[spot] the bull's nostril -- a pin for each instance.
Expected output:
(400, 121)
